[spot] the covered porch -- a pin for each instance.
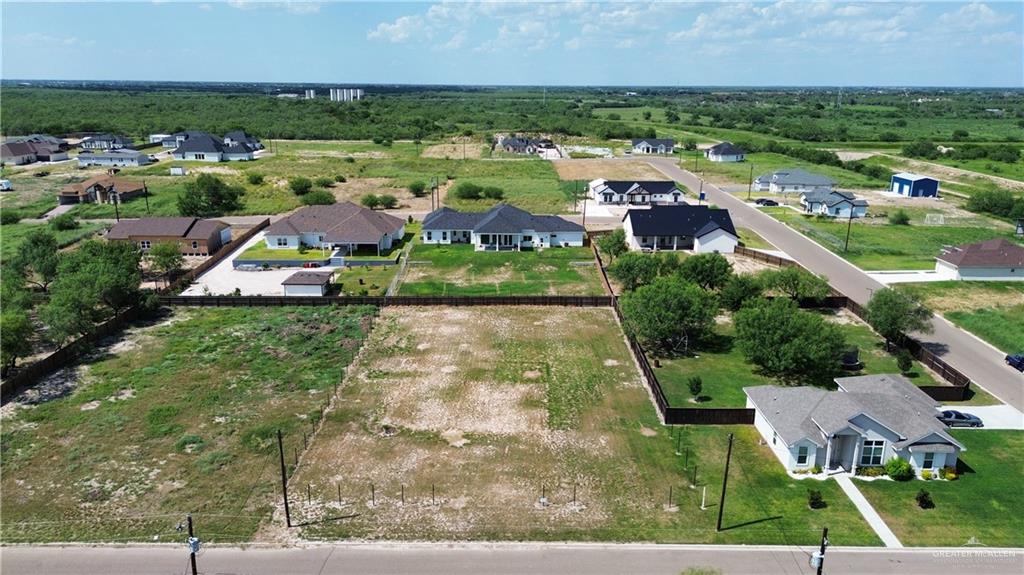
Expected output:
(843, 453)
(664, 243)
(501, 242)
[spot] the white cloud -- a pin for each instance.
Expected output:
(205, 7)
(456, 41)
(972, 16)
(39, 40)
(573, 44)
(401, 30)
(1011, 38)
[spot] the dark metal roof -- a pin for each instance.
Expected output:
(305, 278)
(724, 149)
(679, 220)
(200, 142)
(501, 219)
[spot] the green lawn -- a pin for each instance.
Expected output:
(751, 239)
(260, 251)
(993, 311)
(459, 270)
(985, 504)
(364, 280)
(878, 245)
(12, 235)
(180, 420)
(764, 162)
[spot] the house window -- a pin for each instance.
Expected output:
(145, 244)
(429, 235)
(527, 238)
(872, 453)
(195, 245)
(801, 455)
(200, 156)
(929, 461)
(282, 242)
(444, 235)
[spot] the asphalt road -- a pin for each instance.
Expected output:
(981, 362)
(510, 559)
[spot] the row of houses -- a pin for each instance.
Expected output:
(21, 150)
(201, 146)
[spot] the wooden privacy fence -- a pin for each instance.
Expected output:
(185, 279)
(385, 301)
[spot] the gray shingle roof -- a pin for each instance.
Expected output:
(724, 149)
(501, 219)
(679, 220)
(831, 198)
(305, 278)
(200, 142)
(795, 177)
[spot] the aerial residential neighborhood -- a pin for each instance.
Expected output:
(673, 288)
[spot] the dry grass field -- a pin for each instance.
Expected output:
(591, 169)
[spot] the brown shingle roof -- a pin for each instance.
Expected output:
(340, 223)
(122, 185)
(993, 253)
(180, 227)
(11, 149)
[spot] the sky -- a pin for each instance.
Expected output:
(667, 43)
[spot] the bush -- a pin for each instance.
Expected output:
(493, 193)
(255, 179)
(814, 499)
(387, 201)
(696, 385)
(213, 461)
(418, 189)
(899, 218)
(340, 179)
(370, 201)
(300, 185)
(816, 469)
(996, 201)
(904, 360)
(64, 222)
(899, 469)
(318, 198)
(927, 475)
(186, 440)
(924, 499)
(9, 217)
(948, 473)
(871, 471)
(349, 160)
(468, 191)
(324, 182)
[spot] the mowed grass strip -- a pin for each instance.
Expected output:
(460, 420)
(985, 505)
(459, 270)
(179, 417)
(881, 246)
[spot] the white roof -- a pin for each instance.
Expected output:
(911, 177)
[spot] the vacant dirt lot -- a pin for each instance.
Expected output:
(354, 189)
(591, 169)
(454, 150)
(489, 408)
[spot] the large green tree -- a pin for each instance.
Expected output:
(37, 258)
(794, 346)
(739, 290)
(165, 258)
(892, 313)
(209, 196)
(15, 337)
(633, 270)
(669, 314)
(613, 244)
(709, 271)
(795, 282)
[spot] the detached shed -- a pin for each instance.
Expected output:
(914, 185)
(306, 283)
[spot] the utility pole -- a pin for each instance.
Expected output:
(284, 480)
(700, 194)
(818, 557)
(725, 481)
(849, 224)
(584, 224)
(750, 182)
(696, 152)
(145, 194)
(193, 545)
(117, 212)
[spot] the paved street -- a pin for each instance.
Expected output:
(979, 361)
(514, 558)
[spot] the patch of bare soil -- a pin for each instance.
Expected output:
(744, 265)
(355, 188)
(454, 150)
(973, 297)
(224, 170)
(853, 155)
(594, 168)
(843, 317)
(647, 431)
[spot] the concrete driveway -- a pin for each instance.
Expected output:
(993, 416)
(224, 278)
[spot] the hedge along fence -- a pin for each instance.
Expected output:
(184, 280)
(385, 301)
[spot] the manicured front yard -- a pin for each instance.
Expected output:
(985, 506)
(459, 270)
(260, 251)
(178, 417)
(993, 311)
(878, 245)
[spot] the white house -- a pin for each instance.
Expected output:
(634, 193)
(834, 204)
(868, 421)
(701, 229)
(115, 157)
(503, 227)
(337, 226)
(204, 147)
(654, 146)
(792, 181)
(158, 138)
(993, 260)
(308, 283)
(724, 152)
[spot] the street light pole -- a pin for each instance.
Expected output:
(193, 546)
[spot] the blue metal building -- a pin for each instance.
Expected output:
(914, 186)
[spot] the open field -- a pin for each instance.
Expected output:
(764, 162)
(497, 407)
(176, 417)
(993, 311)
(12, 235)
(877, 245)
(724, 371)
(984, 506)
(364, 280)
(592, 169)
(458, 270)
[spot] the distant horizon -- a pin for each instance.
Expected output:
(551, 43)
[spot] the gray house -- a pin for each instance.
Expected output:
(834, 204)
(792, 180)
(105, 142)
(654, 146)
(503, 227)
(203, 147)
(115, 157)
(868, 421)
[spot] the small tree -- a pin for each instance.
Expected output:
(300, 185)
(64, 221)
(899, 218)
(633, 270)
(904, 361)
(795, 282)
(318, 198)
(924, 499)
(709, 271)
(16, 331)
(468, 191)
(418, 189)
(668, 314)
(893, 313)
(370, 201)
(613, 244)
(387, 201)
(166, 258)
(696, 386)
(739, 290)
(37, 258)
(493, 193)
(208, 196)
(815, 500)
(254, 178)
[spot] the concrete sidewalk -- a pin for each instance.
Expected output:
(868, 512)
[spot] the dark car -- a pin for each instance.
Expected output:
(765, 202)
(1016, 361)
(955, 418)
